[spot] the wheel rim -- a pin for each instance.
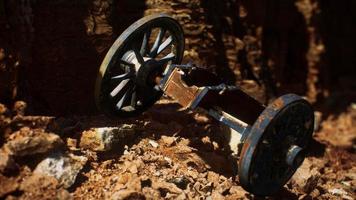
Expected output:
(272, 151)
(142, 52)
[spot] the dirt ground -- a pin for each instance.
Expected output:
(184, 158)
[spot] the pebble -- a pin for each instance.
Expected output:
(153, 143)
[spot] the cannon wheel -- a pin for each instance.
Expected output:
(126, 84)
(275, 146)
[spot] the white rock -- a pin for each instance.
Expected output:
(64, 168)
(153, 143)
(105, 138)
(340, 192)
(336, 191)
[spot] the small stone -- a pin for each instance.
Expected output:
(64, 168)
(341, 193)
(168, 141)
(153, 143)
(133, 166)
(104, 139)
(133, 169)
(200, 118)
(29, 142)
(336, 191)
(169, 161)
(157, 173)
(346, 183)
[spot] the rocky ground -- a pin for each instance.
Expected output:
(167, 153)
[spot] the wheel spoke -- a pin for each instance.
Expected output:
(144, 45)
(157, 43)
(165, 44)
(121, 102)
(138, 56)
(121, 76)
(167, 58)
(118, 88)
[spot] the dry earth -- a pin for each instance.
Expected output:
(167, 153)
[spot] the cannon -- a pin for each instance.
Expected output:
(145, 62)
